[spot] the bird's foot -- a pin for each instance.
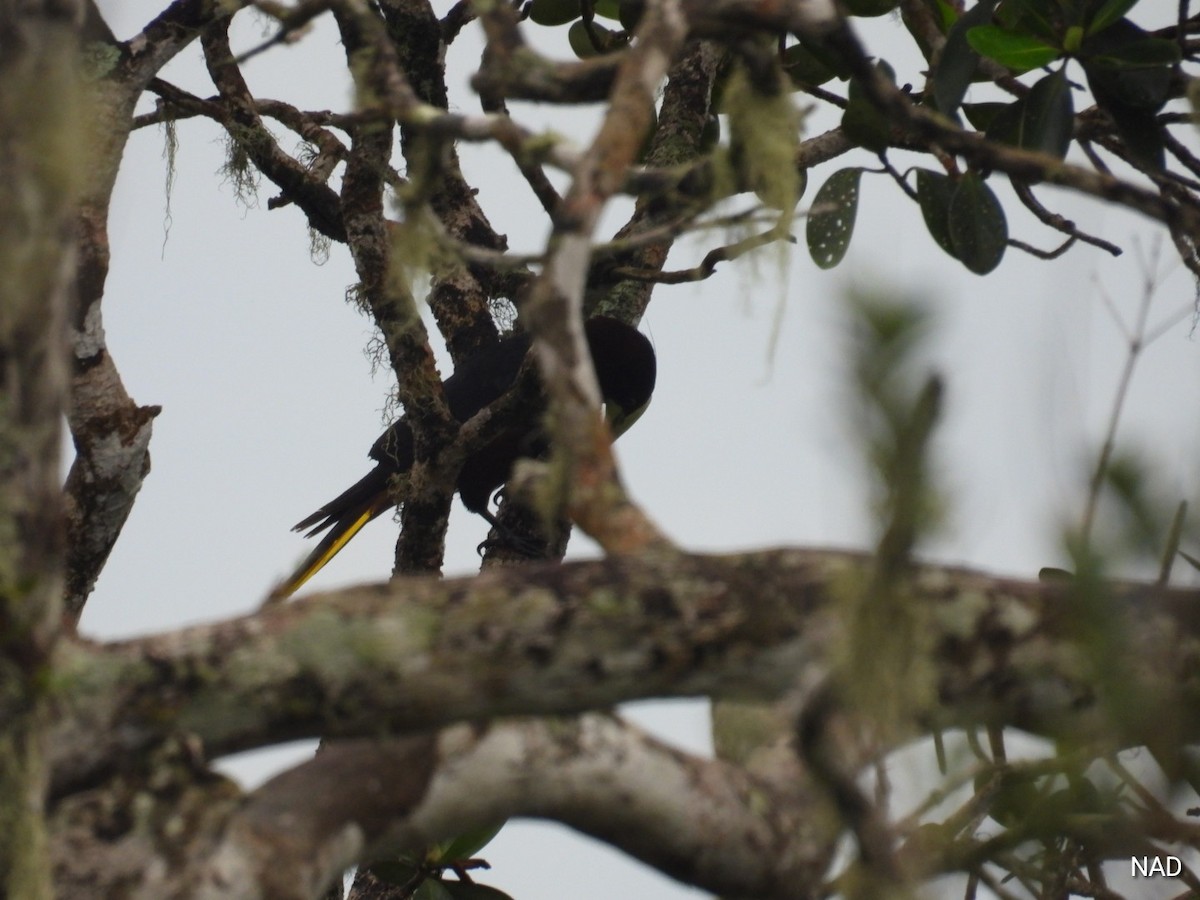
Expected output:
(520, 545)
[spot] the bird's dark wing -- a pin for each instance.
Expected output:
(475, 384)
(625, 369)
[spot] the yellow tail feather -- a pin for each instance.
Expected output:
(321, 555)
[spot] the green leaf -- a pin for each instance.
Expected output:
(1042, 120)
(803, 66)
(934, 192)
(1130, 75)
(1049, 116)
(630, 13)
(1019, 52)
(830, 228)
(1140, 54)
(1037, 18)
(1144, 89)
(464, 846)
(608, 9)
(554, 12)
(468, 890)
(394, 872)
(830, 59)
(581, 41)
(1073, 39)
(863, 122)
(958, 62)
(978, 229)
(1129, 86)
(1132, 100)
(1005, 126)
(1110, 11)
(981, 115)
(947, 15)
(433, 889)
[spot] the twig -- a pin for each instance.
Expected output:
(289, 27)
(898, 178)
(708, 265)
(1043, 254)
(1137, 343)
(1057, 222)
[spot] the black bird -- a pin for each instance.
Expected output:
(625, 369)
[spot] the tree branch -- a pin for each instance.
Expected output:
(43, 150)
(705, 822)
(318, 202)
(421, 653)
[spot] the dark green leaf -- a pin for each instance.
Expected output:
(1125, 66)
(1138, 126)
(827, 57)
(981, 115)
(959, 62)
(830, 228)
(466, 890)
(554, 12)
(1143, 54)
(934, 192)
(978, 229)
(947, 15)
(1144, 89)
(394, 872)
(1039, 18)
(608, 9)
(432, 889)
(1005, 126)
(1129, 92)
(803, 67)
(1019, 52)
(631, 13)
(1110, 11)
(863, 122)
(1046, 116)
(467, 845)
(581, 42)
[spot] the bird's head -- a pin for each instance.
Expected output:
(625, 368)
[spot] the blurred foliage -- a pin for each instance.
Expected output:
(895, 405)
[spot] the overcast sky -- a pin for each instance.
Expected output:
(218, 312)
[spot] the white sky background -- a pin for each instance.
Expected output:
(270, 403)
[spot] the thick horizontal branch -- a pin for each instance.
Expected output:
(708, 823)
(704, 822)
(421, 653)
